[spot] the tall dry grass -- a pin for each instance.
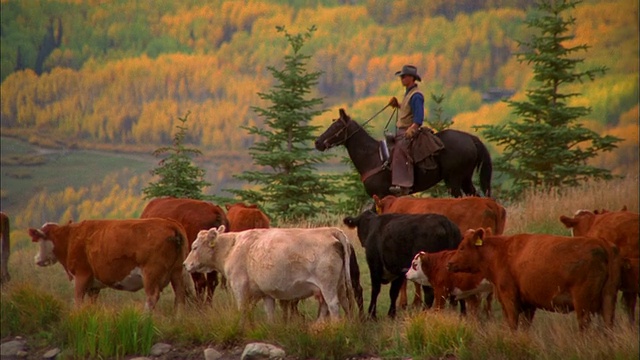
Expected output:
(37, 304)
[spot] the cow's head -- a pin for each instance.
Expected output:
(362, 222)
(467, 257)
(45, 255)
(416, 272)
(200, 257)
(580, 223)
(383, 205)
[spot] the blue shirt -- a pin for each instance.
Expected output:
(417, 107)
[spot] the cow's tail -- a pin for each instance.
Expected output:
(6, 248)
(484, 164)
(346, 271)
(182, 243)
(611, 285)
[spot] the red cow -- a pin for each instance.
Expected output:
(6, 247)
(430, 269)
(244, 217)
(549, 272)
(468, 213)
(620, 228)
(194, 215)
(120, 254)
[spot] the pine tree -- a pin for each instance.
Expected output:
(179, 177)
(548, 148)
(289, 188)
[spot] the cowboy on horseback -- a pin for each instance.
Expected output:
(410, 119)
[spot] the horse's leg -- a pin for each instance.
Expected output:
(468, 188)
(454, 186)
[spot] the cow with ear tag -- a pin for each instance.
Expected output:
(279, 264)
(540, 271)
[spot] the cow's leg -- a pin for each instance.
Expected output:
(429, 296)
(510, 310)
(81, 283)
(629, 301)
(153, 295)
(403, 296)
(178, 285)
(211, 284)
(93, 295)
(393, 294)
(200, 284)
(440, 298)
(375, 291)
(527, 319)
(269, 307)
(417, 297)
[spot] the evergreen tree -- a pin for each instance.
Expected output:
(290, 187)
(179, 177)
(548, 148)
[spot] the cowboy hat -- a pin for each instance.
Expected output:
(409, 70)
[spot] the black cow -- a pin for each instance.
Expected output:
(392, 240)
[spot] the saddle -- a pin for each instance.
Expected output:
(425, 146)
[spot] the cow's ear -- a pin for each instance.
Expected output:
(221, 229)
(228, 206)
(624, 208)
(567, 221)
(35, 234)
(478, 237)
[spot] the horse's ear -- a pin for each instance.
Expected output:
(343, 114)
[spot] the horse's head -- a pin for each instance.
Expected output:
(336, 134)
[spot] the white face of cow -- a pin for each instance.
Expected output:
(415, 273)
(45, 256)
(201, 254)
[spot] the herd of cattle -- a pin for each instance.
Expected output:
(453, 249)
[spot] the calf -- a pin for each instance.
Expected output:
(538, 271)
(120, 254)
(194, 215)
(431, 269)
(391, 241)
(279, 264)
(245, 217)
(621, 229)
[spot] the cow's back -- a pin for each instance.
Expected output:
(467, 213)
(273, 259)
(244, 217)
(621, 228)
(113, 248)
(401, 236)
(194, 215)
(569, 263)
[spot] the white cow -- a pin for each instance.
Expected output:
(278, 264)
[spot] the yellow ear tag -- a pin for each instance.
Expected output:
(378, 209)
(211, 243)
(478, 242)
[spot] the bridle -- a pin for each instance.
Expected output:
(347, 136)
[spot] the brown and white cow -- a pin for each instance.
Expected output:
(6, 248)
(244, 217)
(279, 264)
(120, 254)
(620, 228)
(549, 272)
(194, 215)
(467, 212)
(430, 269)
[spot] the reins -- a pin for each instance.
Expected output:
(368, 120)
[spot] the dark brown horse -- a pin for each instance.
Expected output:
(462, 154)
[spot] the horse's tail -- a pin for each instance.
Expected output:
(484, 164)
